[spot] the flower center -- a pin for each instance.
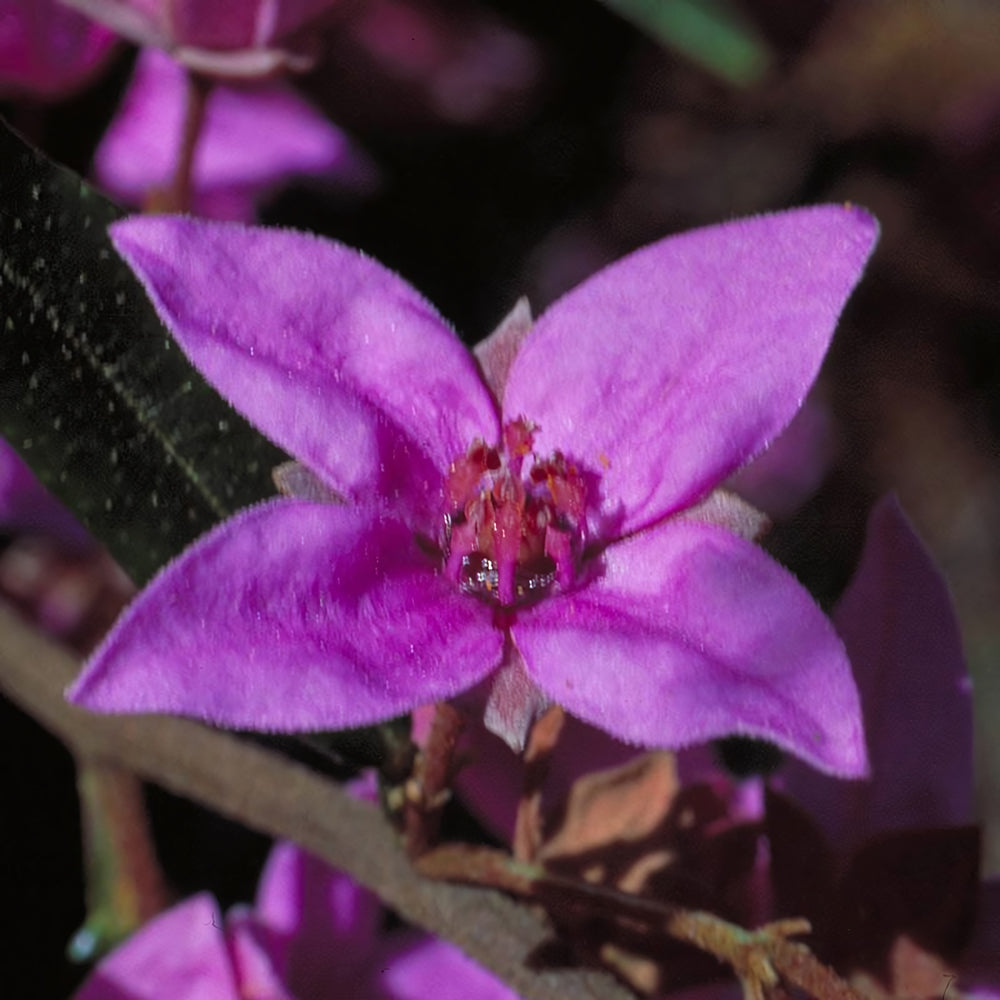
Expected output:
(515, 523)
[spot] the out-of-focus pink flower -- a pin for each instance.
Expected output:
(47, 51)
(462, 64)
(254, 138)
(552, 526)
(902, 636)
(313, 934)
(52, 569)
(235, 38)
(893, 886)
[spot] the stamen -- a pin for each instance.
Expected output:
(509, 537)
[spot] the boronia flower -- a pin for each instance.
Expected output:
(539, 516)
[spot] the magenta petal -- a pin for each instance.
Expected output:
(250, 947)
(140, 149)
(182, 953)
(692, 633)
(669, 369)
(323, 925)
(291, 616)
(435, 968)
(899, 627)
(331, 355)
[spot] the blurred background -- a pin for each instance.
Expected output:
(513, 148)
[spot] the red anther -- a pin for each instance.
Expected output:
(515, 537)
(569, 495)
(464, 476)
(518, 438)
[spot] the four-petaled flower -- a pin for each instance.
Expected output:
(540, 514)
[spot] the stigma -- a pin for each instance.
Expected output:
(514, 524)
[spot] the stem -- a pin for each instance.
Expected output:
(177, 195)
(125, 887)
(429, 787)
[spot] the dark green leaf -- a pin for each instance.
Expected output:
(93, 392)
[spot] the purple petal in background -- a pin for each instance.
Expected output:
(795, 464)
(324, 926)
(897, 621)
(181, 953)
(436, 969)
(26, 506)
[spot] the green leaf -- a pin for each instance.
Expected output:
(94, 393)
(708, 32)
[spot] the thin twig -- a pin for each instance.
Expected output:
(760, 958)
(124, 884)
(176, 196)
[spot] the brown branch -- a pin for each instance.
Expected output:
(760, 958)
(270, 793)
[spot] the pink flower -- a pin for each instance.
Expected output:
(232, 167)
(900, 629)
(47, 51)
(237, 38)
(313, 934)
(544, 519)
(891, 887)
